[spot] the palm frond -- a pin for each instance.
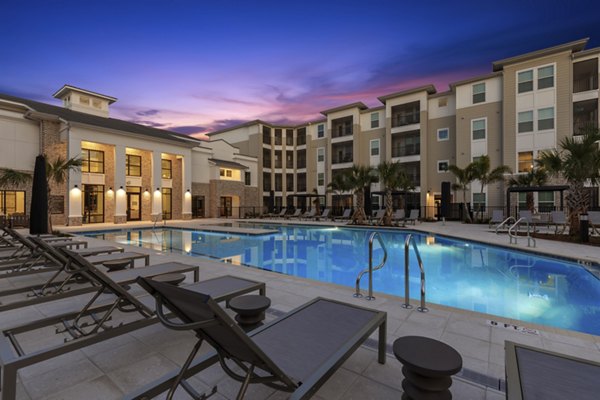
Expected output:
(13, 178)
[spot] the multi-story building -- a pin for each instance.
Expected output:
(526, 105)
(130, 172)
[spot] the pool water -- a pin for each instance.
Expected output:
(467, 275)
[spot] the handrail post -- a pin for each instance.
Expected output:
(371, 269)
(370, 295)
(410, 239)
(406, 273)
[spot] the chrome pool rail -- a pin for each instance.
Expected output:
(505, 222)
(411, 240)
(374, 235)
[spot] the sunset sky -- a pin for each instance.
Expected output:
(198, 66)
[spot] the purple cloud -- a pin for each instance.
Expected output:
(146, 113)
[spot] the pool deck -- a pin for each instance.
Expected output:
(110, 369)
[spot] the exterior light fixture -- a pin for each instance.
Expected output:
(75, 187)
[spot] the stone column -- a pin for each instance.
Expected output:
(186, 187)
(120, 188)
(156, 185)
(75, 217)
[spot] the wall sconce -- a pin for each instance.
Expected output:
(121, 187)
(146, 190)
(158, 189)
(75, 187)
(110, 188)
(188, 190)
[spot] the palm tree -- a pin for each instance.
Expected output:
(13, 178)
(359, 178)
(56, 173)
(482, 172)
(578, 162)
(464, 177)
(393, 177)
(534, 177)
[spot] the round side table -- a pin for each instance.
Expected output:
(173, 279)
(428, 366)
(250, 310)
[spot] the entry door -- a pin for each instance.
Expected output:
(226, 204)
(134, 209)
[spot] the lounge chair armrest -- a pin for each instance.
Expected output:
(179, 326)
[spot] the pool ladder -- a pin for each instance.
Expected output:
(374, 235)
(410, 240)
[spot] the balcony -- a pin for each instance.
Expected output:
(342, 158)
(413, 170)
(301, 159)
(342, 127)
(406, 114)
(266, 162)
(585, 75)
(585, 114)
(406, 144)
(301, 138)
(342, 153)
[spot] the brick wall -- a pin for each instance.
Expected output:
(53, 148)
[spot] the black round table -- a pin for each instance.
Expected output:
(428, 366)
(173, 279)
(118, 265)
(250, 309)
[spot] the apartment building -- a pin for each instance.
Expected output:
(527, 104)
(130, 172)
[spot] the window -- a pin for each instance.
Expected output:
(12, 202)
(320, 130)
(321, 179)
(545, 118)
(525, 79)
(247, 178)
(133, 165)
(221, 172)
(84, 100)
(546, 77)
(479, 201)
(374, 147)
(478, 129)
(523, 200)
(479, 93)
(289, 182)
(289, 137)
(266, 135)
(321, 154)
(525, 161)
(166, 169)
(545, 201)
(92, 203)
(92, 161)
(443, 102)
(228, 173)
(167, 205)
(375, 120)
(443, 134)
(442, 166)
(525, 121)
(278, 136)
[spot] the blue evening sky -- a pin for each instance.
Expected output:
(196, 66)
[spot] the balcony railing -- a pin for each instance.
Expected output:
(579, 125)
(406, 150)
(345, 158)
(586, 83)
(278, 164)
(300, 140)
(301, 163)
(405, 119)
(266, 138)
(266, 163)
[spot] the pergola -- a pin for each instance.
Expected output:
(311, 196)
(529, 189)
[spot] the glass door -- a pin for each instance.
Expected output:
(134, 203)
(93, 204)
(225, 209)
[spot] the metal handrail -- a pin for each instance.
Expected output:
(410, 239)
(515, 236)
(506, 221)
(371, 269)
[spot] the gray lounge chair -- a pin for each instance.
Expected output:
(377, 219)
(559, 220)
(594, 221)
(399, 217)
(533, 373)
(345, 216)
(497, 217)
(413, 216)
(296, 353)
(309, 214)
(296, 214)
(57, 286)
(324, 215)
(90, 324)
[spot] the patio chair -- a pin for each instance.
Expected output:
(309, 214)
(57, 286)
(594, 221)
(88, 324)
(497, 217)
(559, 220)
(399, 217)
(345, 216)
(377, 219)
(281, 213)
(296, 214)
(324, 215)
(526, 215)
(533, 373)
(296, 353)
(413, 216)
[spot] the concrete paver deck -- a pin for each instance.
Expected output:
(112, 368)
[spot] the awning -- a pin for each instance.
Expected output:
(227, 164)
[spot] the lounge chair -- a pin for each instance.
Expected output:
(296, 214)
(56, 286)
(281, 213)
(559, 220)
(324, 215)
(377, 219)
(413, 216)
(533, 373)
(345, 216)
(594, 221)
(497, 217)
(296, 353)
(398, 217)
(90, 324)
(309, 214)
(526, 215)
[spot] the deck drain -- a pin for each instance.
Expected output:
(512, 327)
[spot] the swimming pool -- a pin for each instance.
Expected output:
(467, 275)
